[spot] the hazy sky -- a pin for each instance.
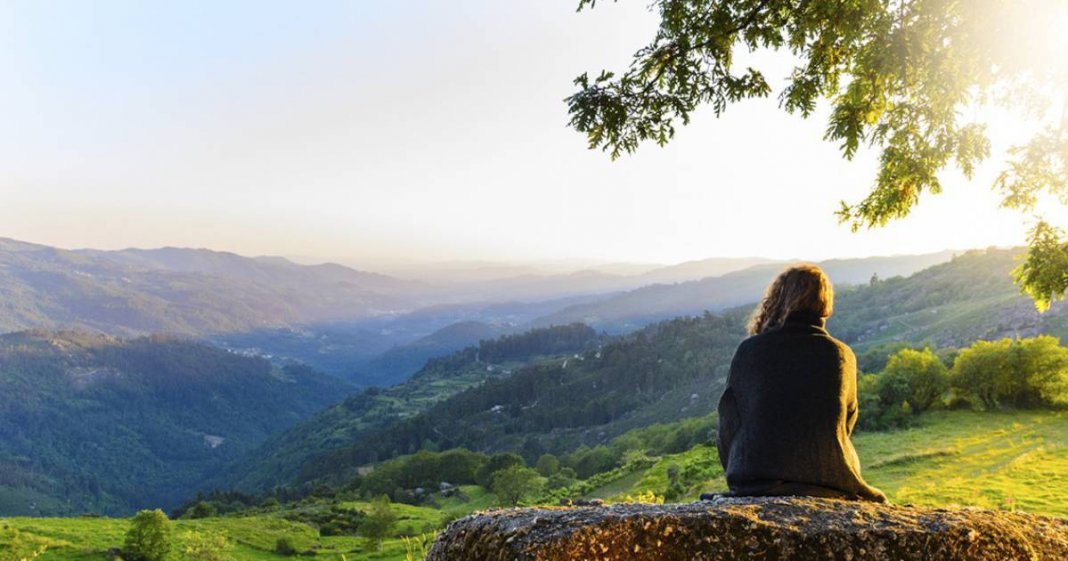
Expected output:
(422, 130)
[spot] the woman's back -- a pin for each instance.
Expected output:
(787, 414)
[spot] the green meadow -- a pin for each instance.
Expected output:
(999, 460)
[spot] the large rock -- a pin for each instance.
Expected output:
(751, 528)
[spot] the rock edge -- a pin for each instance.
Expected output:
(779, 528)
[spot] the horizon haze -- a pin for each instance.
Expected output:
(279, 131)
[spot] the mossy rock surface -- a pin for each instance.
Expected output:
(787, 528)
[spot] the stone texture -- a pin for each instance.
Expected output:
(784, 528)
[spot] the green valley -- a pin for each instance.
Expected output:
(90, 423)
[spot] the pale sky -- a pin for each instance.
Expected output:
(366, 132)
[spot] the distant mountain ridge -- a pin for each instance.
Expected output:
(365, 327)
(633, 309)
(182, 291)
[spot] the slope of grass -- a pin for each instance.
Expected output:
(1016, 460)
(1011, 460)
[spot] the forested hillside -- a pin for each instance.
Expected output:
(282, 458)
(948, 305)
(399, 363)
(676, 369)
(665, 372)
(90, 423)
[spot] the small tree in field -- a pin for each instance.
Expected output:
(983, 371)
(513, 483)
(926, 377)
(149, 537)
(378, 521)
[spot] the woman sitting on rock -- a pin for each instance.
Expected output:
(790, 404)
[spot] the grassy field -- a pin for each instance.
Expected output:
(1015, 461)
(1009, 461)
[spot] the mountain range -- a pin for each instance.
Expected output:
(367, 328)
(181, 291)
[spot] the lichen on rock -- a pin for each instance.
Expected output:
(767, 528)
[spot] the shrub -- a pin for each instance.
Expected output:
(149, 537)
(201, 510)
(882, 404)
(925, 378)
(206, 547)
(1027, 373)
(284, 546)
(563, 478)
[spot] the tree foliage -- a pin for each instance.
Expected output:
(206, 546)
(1027, 373)
(513, 483)
(149, 537)
(60, 391)
(925, 377)
(547, 401)
(497, 462)
(378, 521)
(547, 465)
(899, 75)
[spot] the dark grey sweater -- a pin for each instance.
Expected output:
(787, 413)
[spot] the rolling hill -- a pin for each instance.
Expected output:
(948, 305)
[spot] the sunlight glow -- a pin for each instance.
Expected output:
(1059, 32)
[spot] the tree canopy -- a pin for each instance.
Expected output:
(901, 76)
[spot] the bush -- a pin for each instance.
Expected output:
(201, 510)
(206, 547)
(1025, 374)
(588, 462)
(284, 546)
(925, 378)
(563, 478)
(913, 382)
(149, 537)
(882, 404)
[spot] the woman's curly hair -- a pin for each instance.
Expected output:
(800, 288)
